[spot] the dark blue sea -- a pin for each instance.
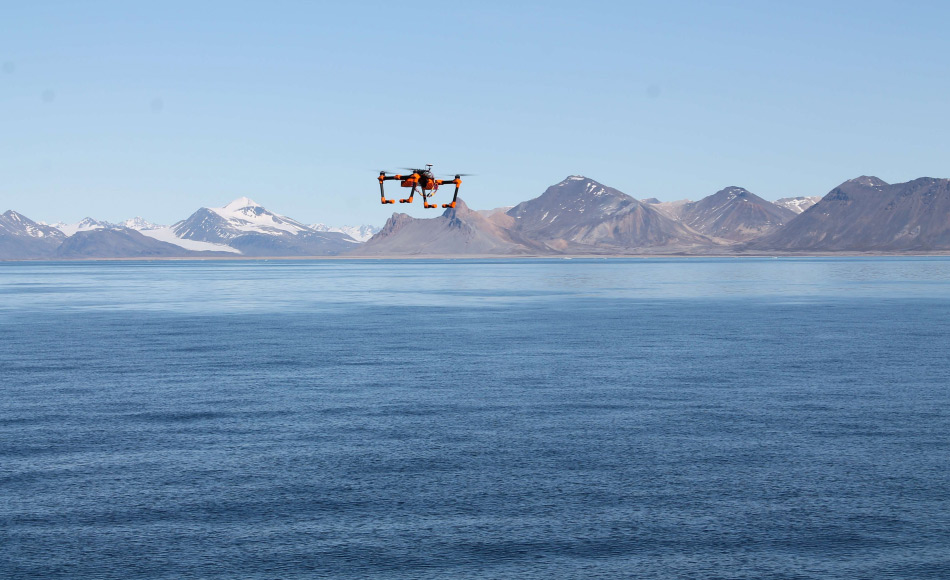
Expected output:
(620, 418)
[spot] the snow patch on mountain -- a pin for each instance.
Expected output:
(798, 204)
(358, 233)
(26, 226)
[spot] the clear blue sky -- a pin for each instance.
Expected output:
(116, 109)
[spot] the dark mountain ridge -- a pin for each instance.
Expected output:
(868, 214)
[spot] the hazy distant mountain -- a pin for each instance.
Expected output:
(734, 214)
(458, 231)
(89, 223)
(120, 243)
(797, 204)
(490, 213)
(358, 233)
(245, 225)
(21, 238)
(581, 215)
(671, 209)
(867, 214)
(84, 225)
(139, 224)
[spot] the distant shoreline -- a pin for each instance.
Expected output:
(941, 253)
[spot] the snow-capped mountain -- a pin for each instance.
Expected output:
(248, 227)
(23, 238)
(798, 204)
(241, 216)
(358, 233)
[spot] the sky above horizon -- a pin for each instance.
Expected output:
(117, 109)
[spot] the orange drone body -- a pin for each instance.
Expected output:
(424, 181)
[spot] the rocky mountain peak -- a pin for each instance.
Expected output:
(242, 203)
(460, 209)
(868, 180)
(733, 192)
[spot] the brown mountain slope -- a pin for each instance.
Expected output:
(458, 231)
(735, 214)
(580, 215)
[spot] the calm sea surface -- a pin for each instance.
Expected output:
(682, 418)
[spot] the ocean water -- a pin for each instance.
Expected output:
(656, 418)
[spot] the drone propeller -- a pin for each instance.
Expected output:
(458, 174)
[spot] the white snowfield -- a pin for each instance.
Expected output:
(166, 234)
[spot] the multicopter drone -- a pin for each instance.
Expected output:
(425, 181)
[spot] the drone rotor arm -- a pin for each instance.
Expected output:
(382, 193)
(458, 183)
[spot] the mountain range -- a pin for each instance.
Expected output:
(577, 216)
(580, 216)
(241, 228)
